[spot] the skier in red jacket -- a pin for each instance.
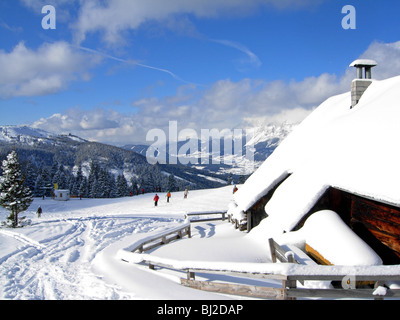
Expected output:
(156, 198)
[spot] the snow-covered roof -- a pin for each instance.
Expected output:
(351, 149)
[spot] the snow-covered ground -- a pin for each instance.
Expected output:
(73, 252)
(70, 252)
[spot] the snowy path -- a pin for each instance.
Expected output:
(69, 253)
(59, 266)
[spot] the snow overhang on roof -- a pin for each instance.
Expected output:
(363, 62)
(354, 150)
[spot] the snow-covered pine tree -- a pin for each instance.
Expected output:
(122, 186)
(14, 195)
(172, 184)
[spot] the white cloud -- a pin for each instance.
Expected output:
(113, 17)
(388, 57)
(49, 69)
(226, 104)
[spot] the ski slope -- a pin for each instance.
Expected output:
(70, 252)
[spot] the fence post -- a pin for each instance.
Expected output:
(190, 275)
(272, 249)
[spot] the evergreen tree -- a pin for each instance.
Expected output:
(112, 186)
(122, 186)
(47, 181)
(134, 185)
(60, 178)
(172, 185)
(230, 179)
(53, 170)
(103, 184)
(14, 195)
(94, 190)
(30, 172)
(83, 187)
(79, 176)
(39, 190)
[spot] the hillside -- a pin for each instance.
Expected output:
(39, 150)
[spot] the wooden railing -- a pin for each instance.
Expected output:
(295, 267)
(289, 290)
(222, 217)
(165, 237)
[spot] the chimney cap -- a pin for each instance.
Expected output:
(364, 63)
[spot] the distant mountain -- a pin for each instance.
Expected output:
(258, 142)
(39, 148)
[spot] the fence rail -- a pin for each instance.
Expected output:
(296, 265)
(222, 213)
(162, 238)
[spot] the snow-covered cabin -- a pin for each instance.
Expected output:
(341, 160)
(61, 195)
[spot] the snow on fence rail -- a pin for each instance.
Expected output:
(165, 237)
(222, 213)
(288, 273)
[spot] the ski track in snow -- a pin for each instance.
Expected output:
(58, 267)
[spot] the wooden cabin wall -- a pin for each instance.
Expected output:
(381, 220)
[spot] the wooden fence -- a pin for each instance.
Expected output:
(222, 217)
(289, 256)
(162, 238)
(289, 290)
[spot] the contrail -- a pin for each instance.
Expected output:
(238, 46)
(131, 62)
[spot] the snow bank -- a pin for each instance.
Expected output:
(326, 233)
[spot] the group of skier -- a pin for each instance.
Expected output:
(168, 196)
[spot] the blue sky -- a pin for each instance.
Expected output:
(113, 70)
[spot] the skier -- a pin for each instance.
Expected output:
(168, 196)
(39, 212)
(235, 189)
(156, 200)
(185, 194)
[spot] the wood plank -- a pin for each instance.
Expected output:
(317, 256)
(235, 289)
(163, 239)
(340, 277)
(279, 253)
(390, 241)
(340, 293)
(205, 213)
(204, 220)
(379, 223)
(272, 249)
